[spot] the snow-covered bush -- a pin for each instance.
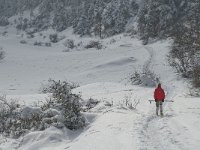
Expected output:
(69, 44)
(3, 21)
(196, 76)
(112, 41)
(2, 54)
(36, 43)
(145, 78)
(194, 92)
(52, 85)
(4, 33)
(48, 44)
(63, 109)
(135, 78)
(30, 33)
(94, 44)
(23, 42)
(149, 78)
(80, 44)
(67, 103)
(53, 38)
(30, 36)
(8, 116)
(91, 103)
(16, 120)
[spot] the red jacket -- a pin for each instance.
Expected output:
(159, 93)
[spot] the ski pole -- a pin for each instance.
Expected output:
(164, 101)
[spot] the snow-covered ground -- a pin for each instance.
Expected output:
(102, 74)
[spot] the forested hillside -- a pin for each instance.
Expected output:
(88, 17)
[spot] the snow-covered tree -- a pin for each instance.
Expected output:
(98, 10)
(108, 18)
(185, 52)
(122, 15)
(157, 18)
(84, 22)
(116, 16)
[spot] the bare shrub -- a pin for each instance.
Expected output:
(130, 102)
(94, 44)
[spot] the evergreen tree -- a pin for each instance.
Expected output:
(116, 16)
(84, 23)
(122, 16)
(108, 18)
(98, 10)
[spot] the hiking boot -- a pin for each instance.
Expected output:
(157, 113)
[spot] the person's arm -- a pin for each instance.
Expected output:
(155, 97)
(163, 96)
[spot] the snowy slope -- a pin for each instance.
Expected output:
(27, 65)
(102, 75)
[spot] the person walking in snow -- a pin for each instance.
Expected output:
(159, 96)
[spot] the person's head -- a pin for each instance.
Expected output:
(159, 85)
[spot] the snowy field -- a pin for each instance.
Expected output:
(103, 75)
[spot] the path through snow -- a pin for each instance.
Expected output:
(167, 133)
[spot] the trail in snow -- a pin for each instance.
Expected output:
(165, 133)
(155, 133)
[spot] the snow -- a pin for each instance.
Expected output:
(45, 140)
(102, 75)
(42, 63)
